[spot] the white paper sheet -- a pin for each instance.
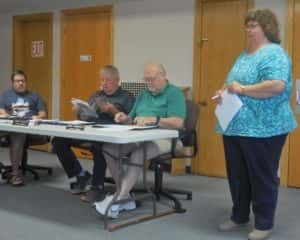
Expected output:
(58, 122)
(229, 107)
(76, 101)
(119, 127)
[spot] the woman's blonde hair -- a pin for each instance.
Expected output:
(268, 22)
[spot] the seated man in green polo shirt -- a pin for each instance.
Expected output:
(161, 103)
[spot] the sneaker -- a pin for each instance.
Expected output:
(115, 209)
(230, 226)
(127, 206)
(259, 234)
(82, 184)
(94, 195)
(103, 205)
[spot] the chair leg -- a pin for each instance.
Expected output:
(158, 175)
(189, 194)
(36, 167)
(25, 167)
(177, 204)
(6, 172)
(2, 168)
(24, 162)
(159, 190)
(36, 176)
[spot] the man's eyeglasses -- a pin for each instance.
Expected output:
(251, 26)
(19, 81)
(149, 79)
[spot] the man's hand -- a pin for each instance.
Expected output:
(3, 113)
(106, 107)
(76, 109)
(143, 121)
(121, 117)
(41, 115)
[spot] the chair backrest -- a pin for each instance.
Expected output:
(189, 138)
(134, 87)
(192, 113)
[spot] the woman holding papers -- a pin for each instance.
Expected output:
(262, 78)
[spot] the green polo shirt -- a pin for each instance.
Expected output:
(169, 102)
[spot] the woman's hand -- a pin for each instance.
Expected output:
(218, 96)
(235, 87)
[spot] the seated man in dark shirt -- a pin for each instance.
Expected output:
(20, 102)
(110, 100)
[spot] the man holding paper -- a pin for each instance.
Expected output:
(262, 78)
(101, 108)
(161, 104)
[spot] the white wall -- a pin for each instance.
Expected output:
(161, 30)
(278, 7)
(5, 50)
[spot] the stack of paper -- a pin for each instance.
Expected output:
(58, 122)
(229, 107)
(76, 101)
(120, 127)
(86, 111)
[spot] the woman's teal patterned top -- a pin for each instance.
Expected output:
(262, 117)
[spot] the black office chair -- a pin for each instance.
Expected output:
(25, 167)
(189, 139)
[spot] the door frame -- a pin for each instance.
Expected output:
(197, 58)
(18, 20)
(289, 46)
(71, 12)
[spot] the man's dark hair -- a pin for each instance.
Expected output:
(18, 72)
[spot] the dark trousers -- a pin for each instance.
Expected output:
(252, 165)
(71, 165)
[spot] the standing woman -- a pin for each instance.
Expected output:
(253, 141)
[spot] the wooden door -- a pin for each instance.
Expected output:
(219, 39)
(294, 149)
(32, 52)
(86, 46)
